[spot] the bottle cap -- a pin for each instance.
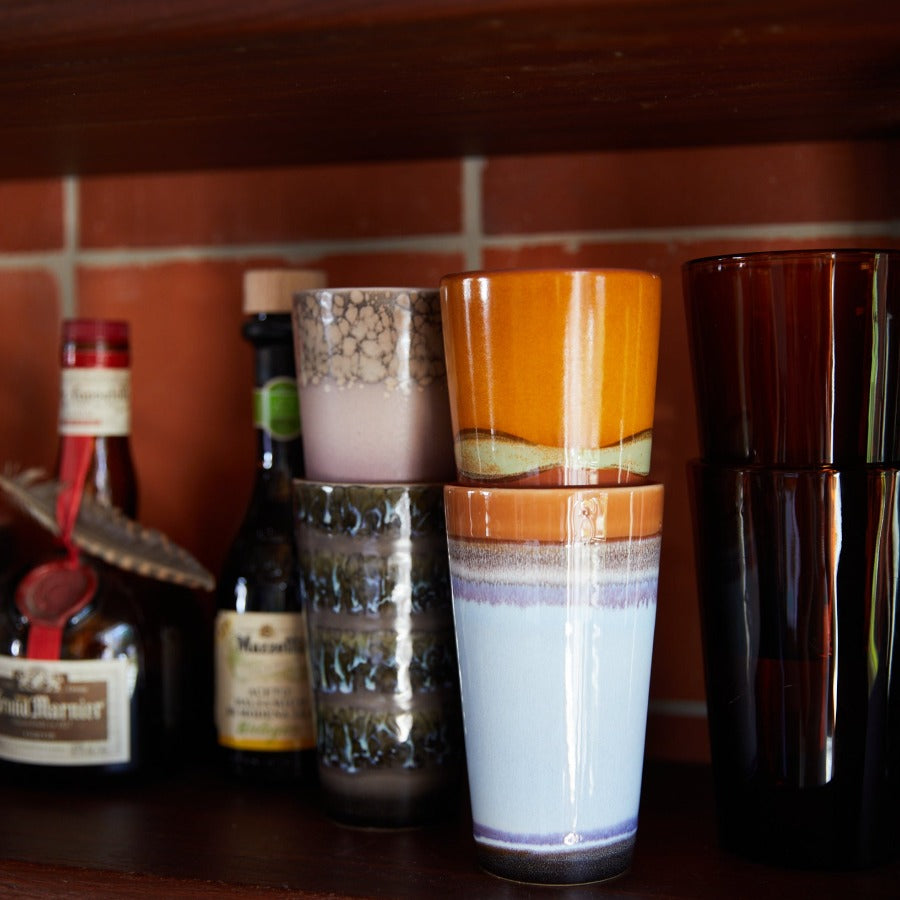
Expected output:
(95, 331)
(272, 290)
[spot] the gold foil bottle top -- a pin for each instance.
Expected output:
(272, 290)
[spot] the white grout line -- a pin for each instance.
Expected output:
(472, 212)
(60, 263)
(67, 270)
(470, 243)
(299, 251)
(689, 234)
(39, 259)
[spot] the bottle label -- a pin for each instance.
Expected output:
(263, 698)
(95, 402)
(276, 408)
(66, 713)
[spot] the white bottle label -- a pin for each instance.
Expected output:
(263, 698)
(95, 402)
(65, 713)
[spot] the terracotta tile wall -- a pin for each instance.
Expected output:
(166, 251)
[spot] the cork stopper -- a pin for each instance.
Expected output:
(272, 290)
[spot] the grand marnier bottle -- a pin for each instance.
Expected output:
(263, 701)
(80, 658)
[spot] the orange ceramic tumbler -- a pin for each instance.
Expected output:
(552, 374)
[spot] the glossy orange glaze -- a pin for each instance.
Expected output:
(561, 358)
(557, 515)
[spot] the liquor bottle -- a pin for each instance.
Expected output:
(80, 669)
(263, 700)
(79, 660)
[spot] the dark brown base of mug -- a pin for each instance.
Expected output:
(387, 799)
(563, 867)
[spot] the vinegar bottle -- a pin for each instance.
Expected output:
(263, 700)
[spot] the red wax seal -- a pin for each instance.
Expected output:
(48, 597)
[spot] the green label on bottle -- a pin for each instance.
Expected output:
(276, 408)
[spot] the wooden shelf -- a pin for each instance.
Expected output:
(96, 87)
(197, 836)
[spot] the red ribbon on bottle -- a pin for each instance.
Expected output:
(51, 594)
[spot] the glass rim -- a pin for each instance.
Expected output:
(369, 486)
(370, 289)
(810, 470)
(768, 257)
(569, 271)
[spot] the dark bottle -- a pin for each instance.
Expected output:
(79, 661)
(263, 701)
(80, 690)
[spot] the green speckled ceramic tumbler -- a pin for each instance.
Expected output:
(375, 583)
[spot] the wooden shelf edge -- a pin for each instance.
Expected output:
(90, 88)
(197, 835)
(37, 880)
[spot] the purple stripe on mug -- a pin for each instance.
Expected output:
(614, 596)
(598, 836)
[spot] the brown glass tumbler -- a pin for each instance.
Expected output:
(798, 579)
(795, 356)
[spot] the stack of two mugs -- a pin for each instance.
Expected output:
(372, 546)
(554, 535)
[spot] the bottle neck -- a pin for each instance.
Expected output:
(276, 411)
(95, 401)
(94, 454)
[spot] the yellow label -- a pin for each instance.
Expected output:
(263, 695)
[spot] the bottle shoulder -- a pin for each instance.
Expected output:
(252, 583)
(264, 544)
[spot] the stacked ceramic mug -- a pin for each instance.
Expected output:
(554, 538)
(796, 498)
(370, 532)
